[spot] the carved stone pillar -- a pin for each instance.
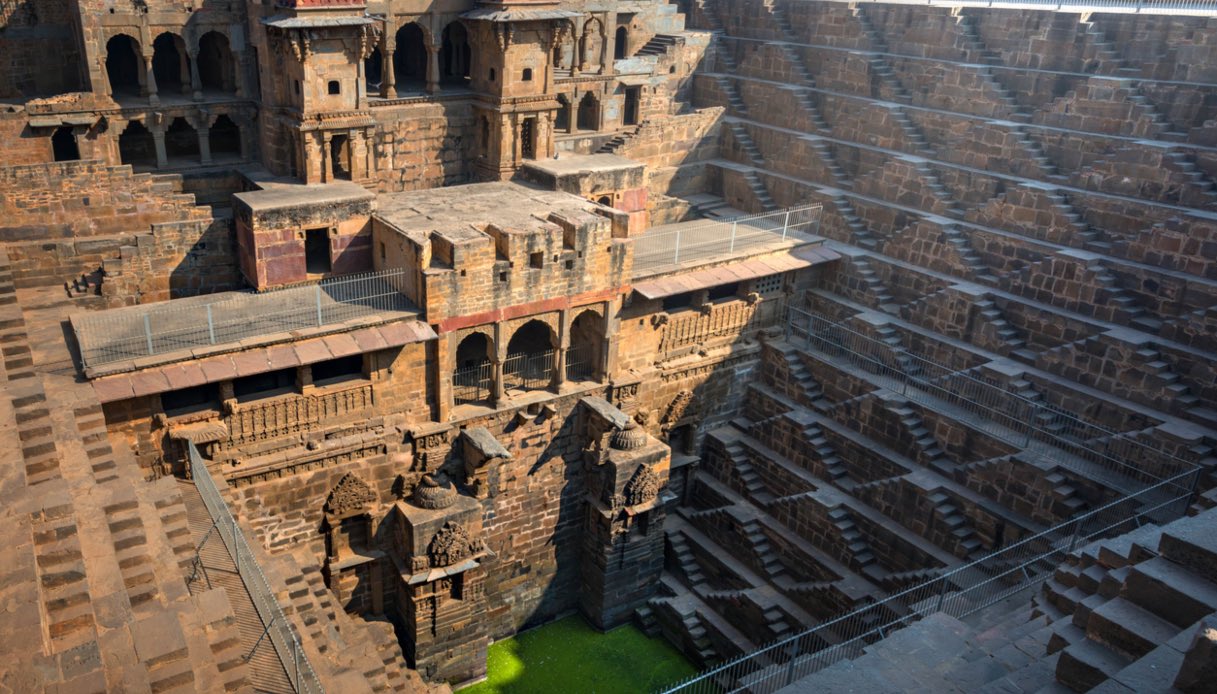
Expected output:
(627, 469)
(204, 143)
(327, 165)
(196, 83)
(388, 80)
(158, 139)
(498, 393)
(432, 67)
(150, 83)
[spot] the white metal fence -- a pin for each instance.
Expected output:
(1200, 8)
(1165, 486)
(691, 243)
(958, 593)
(278, 631)
(111, 336)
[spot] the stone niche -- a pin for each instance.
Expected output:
(352, 567)
(441, 594)
(623, 532)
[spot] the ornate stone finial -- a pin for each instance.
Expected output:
(434, 492)
(629, 438)
(451, 544)
(350, 494)
(642, 487)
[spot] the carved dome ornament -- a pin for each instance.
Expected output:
(434, 492)
(629, 438)
(351, 494)
(450, 545)
(642, 487)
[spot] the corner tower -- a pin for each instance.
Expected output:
(513, 76)
(318, 51)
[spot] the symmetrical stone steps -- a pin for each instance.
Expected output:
(760, 192)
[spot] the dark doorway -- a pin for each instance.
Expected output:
(225, 137)
(136, 146)
(317, 251)
(633, 96)
(63, 143)
(410, 58)
(455, 54)
(169, 64)
(181, 140)
(620, 42)
(216, 68)
(562, 117)
(124, 66)
(528, 145)
(589, 113)
(340, 156)
(530, 358)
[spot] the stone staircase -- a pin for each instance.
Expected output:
(1008, 337)
(860, 554)
(759, 191)
(658, 45)
(874, 288)
(744, 140)
(928, 450)
(955, 523)
(977, 270)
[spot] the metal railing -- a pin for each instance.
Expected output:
(473, 384)
(958, 593)
(689, 244)
(111, 336)
(299, 672)
(581, 363)
(529, 370)
(1039, 430)
(1201, 8)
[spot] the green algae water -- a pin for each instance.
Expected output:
(570, 657)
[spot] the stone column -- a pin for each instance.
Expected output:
(204, 133)
(432, 67)
(242, 76)
(186, 72)
(388, 80)
(563, 345)
(158, 138)
(327, 166)
(150, 82)
(196, 83)
(497, 393)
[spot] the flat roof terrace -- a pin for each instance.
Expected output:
(132, 337)
(676, 248)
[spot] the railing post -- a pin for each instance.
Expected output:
(148, 332)
(733, 225)
(211, 326)
(318, 293)
(786, 225)
(676, 252)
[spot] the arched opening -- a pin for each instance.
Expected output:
(586, 342)
(216, 67)
(620, 43)
(372, 72)
(455, 54)
(531, 358)
(590, 45)
(340, 155)
(605, 200)
(410, 58)
(136, 146)
(589, 113)
(63, 144)
(473, 377)
(181, 141)
(562, 117)
(124, 66)
(170, 65)
(225, 138)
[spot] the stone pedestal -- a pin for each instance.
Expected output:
(623, 530)
(441, 596)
